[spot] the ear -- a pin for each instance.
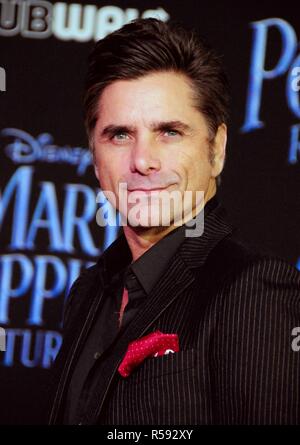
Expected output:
(219, 148)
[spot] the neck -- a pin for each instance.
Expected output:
(140, 239)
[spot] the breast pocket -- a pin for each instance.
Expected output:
(168, 364)
(162, 390)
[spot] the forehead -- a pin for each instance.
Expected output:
(164, 95)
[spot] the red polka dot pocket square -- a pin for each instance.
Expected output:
(152, 345)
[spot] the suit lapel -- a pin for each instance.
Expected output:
(165, 292)
(192, 254)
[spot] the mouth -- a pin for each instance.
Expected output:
(146, 189)
(148, 192)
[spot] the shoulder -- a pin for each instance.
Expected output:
(254, 281)
(86, 278)
(80, 291)
(238, 258)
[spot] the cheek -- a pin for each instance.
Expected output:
(196, 167)
(108, 171)
(189, 161)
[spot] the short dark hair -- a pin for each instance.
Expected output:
(146, 46)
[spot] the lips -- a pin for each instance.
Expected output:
(146, 189)
(148, 192)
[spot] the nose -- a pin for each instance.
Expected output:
(145, 156)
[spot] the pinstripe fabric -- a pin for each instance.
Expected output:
(233, 310)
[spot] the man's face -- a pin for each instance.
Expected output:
(150, 135)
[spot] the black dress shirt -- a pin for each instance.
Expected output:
(139, 278)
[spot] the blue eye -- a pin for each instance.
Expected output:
(172, 132)
(120, 136)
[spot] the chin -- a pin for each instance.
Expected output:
(148, 217)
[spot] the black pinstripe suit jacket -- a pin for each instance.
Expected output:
(234, 311)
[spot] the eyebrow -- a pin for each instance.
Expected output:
(111, 130)
(166, 125)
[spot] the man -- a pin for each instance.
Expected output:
(168, 328)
